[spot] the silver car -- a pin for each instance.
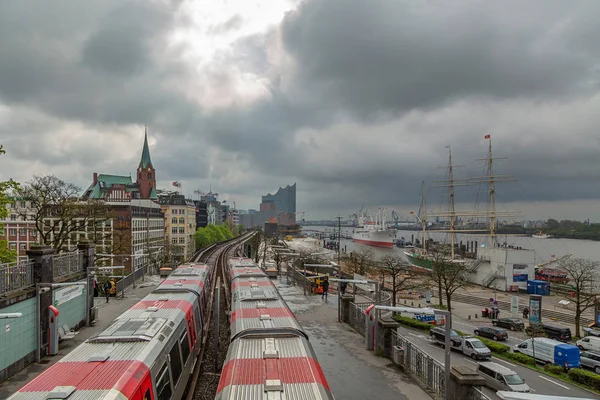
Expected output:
(590, 360)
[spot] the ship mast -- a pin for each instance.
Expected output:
(492, 196)
(424, 219)
(452, 211)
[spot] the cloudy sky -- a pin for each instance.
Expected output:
(354, 100)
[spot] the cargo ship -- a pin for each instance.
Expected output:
(371, 229)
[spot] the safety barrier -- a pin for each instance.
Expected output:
(16, 276)
(424, 369)
(357, 318)
(67, 264)
(128, 280)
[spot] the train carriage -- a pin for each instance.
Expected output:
(282, 367)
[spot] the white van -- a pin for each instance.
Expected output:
(589, 343)
(499, 377)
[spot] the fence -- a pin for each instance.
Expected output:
(476, 394)
(67, 264)
(357, 317)
(424, 369)
(299, 279)
(16, 276)
(130, 279)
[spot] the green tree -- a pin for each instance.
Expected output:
(6, 255)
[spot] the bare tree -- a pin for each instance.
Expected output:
(361, 261)
(6, 187)
(449, 275)
(583, 278)
(59, 214)
(401, 274)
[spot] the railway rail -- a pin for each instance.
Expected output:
(206, 373)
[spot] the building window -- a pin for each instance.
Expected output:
(174, 220)
(13, 246)
(23, 246)
(22, 232)
(181, 230)
(149, 175)
(13, 231)
(182, 240)
(174, 229)
(22, 204)
(13, 217)
(182, 220)
(174, 240)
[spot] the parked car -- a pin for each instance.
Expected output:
(550, 331)
(491, 332)
(589, 343)
(591, 360)
(474, 348)
(439, 334)
(498, 377)
(550, 351)
(514, 324)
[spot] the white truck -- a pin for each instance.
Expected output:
(468, 345)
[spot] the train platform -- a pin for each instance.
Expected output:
(107, 312)
(351, 371)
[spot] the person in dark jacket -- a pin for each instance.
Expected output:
(325, 286)
(106, 288)
(95, 288)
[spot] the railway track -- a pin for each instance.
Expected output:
(205, 376)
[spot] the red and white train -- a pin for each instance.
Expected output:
(147, 353)
(269, 356)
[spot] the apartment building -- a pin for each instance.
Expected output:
(180, 225)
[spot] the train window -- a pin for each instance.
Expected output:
(163, 384)
(175, 358)
(185, 347)
(147, 395)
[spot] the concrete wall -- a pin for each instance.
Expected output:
(17, 338)
(503, 260)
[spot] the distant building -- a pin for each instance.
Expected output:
(138, 223)
(19, 227)
(180, 226)
(201, 213)
(285, 204)
(271, 228)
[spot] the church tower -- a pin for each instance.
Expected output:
(146, 174)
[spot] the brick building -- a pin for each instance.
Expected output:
(19, 227)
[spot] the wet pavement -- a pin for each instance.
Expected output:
(351, 371)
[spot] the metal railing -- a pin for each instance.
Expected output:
(424, 369)
(357, 317)
(476, 394)
(128, 280)
(16, 276)
(67, 264)
(297, 278)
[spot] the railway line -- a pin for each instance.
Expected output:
(206, 373)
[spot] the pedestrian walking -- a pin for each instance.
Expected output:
(325, 286)
(95, 288)
(106, 288)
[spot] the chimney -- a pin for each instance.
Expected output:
(95, 178)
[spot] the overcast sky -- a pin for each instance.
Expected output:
(353, 100)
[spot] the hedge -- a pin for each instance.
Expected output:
(495, 347)
(587, 378)
(413, 323)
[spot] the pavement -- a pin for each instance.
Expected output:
(351, 371)
(107, 312)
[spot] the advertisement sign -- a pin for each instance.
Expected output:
(520, 273)
(514, 307)
(425, 317)
(535, 308)
(65, 294)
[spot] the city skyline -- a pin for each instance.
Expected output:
(248, 96)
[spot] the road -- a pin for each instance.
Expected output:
(539, 383)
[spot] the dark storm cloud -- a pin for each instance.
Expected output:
(389, 56)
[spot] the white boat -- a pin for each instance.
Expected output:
(371, 229)
(541, 235)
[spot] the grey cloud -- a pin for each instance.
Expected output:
(389, 56)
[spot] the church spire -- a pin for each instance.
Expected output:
(145, 161)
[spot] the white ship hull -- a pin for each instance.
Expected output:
(374, 238)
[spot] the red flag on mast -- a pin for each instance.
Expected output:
(487, 136)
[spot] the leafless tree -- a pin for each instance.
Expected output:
(400, 272)
(360, 262)
(447, 274)
(584, 279)
(58, 212)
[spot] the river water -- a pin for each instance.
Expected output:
(544, 248)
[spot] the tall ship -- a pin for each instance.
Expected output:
(425, 256)
(371, 229)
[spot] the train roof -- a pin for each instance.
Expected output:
(282, 367)
(258, 309)
(245, 271)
